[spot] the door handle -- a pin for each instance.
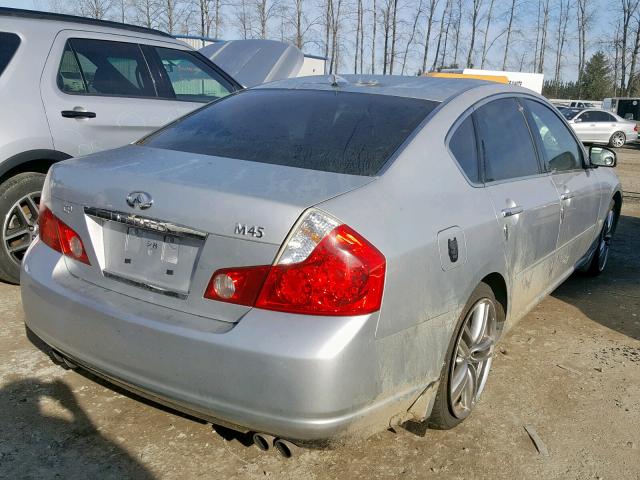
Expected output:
(567, 196)
(77, 114)
(511, 211)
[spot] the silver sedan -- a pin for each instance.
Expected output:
(317, 259)
(599, 126)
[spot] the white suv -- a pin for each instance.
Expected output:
(72, 86)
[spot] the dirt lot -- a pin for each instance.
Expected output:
(570, 369)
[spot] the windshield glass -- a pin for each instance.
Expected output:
(331, 131)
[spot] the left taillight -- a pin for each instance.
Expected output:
(60, 236)
(325, 268)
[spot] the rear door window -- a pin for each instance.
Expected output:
(463, 147)
(105, 68)
(561, 150)
(188, 78)
(331, 131)
(505, 141)
(9, 43)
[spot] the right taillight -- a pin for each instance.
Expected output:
(325, 268)
(59, 236)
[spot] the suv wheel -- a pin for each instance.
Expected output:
(19, 202)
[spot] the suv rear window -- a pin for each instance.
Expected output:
(342, 132)
(9, 43)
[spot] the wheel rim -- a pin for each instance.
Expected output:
(618, 139)
(605, 241)
(20, 226)
(472, 358)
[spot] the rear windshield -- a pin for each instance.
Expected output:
(8, 45)
(331, 131)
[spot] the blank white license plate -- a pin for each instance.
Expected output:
(155, 259)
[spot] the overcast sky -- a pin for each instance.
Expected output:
(605, 17)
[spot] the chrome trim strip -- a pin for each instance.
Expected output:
(146, 286)
(146, 223)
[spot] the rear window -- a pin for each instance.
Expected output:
(9, 43)
(342, 132)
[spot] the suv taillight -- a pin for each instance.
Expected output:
(325, 268)
(59, 236)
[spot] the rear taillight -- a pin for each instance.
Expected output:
(325, 268)
(59, 236)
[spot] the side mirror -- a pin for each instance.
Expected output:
(577, 120)
(602, 157)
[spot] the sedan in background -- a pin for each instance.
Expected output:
(597, 126)
(318, 258)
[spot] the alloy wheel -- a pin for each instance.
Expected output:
(605, 241)
(618, 140)
(472, 359)
(20, 226)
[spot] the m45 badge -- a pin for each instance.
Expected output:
(254, 231)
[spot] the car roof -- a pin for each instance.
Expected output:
(58, 17)
(426, 88)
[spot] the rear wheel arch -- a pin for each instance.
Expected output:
(39, 161)
(498, 285)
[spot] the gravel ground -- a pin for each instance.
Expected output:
(570, 371)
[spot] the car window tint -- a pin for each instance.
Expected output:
(505, 141)
(562, 152)
(9, 43)
(191, 78)
(113, 68)
(599, 116)
(463, 147)
(69, 76)
(331, 131)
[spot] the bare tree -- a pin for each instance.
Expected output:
(509, 26)
(373, 39)
(486, 34)
(634, 58)
(394, 36)
(535, 54)
(416, 19)
(442, 33)
(386, 28)
(563, 20)
(616, 66)
(146, 12)
(629, 8)
(265, 10)
(446, 33)
(457, 27)
(584, 20)
(359, 28)
(543, 35)
(98, 9)
(433, 4)
(171, 13)
(243, 18)
(475, 14)
(123, 10)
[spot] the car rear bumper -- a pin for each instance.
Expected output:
(299, 377)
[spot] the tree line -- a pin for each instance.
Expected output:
(555, 37)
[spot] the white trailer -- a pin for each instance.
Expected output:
(532, 81)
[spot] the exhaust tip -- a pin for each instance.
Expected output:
(261, 441)
(283, 447)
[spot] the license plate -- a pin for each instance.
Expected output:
(155, 259)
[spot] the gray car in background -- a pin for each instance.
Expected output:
(318, 259)
(598, 126)
(72, 86)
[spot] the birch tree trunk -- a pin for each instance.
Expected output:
(506, 45)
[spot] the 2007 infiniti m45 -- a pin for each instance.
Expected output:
(319, 258)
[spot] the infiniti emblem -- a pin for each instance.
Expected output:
(141, 200)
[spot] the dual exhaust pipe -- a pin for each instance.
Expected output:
(264, 442)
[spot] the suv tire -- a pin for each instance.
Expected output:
(19, 201)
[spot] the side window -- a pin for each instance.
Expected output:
(585, 117)
(463, 147)
(106, 68)
(192, 79)
(69, 76)
(9, 43)
(561, 150)
(505, 141)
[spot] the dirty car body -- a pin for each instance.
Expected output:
(158, 243)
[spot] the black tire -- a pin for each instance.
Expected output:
(442, 417)
(11, 191)
(600, 256)
(614, 140)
